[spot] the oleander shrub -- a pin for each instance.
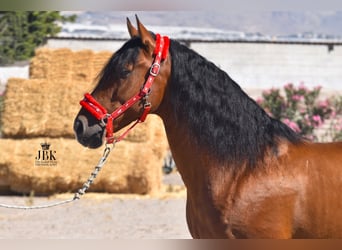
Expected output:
(302, 110)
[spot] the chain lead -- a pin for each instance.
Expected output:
(95, 172)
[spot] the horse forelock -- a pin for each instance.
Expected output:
(128, 53)
(220, 116)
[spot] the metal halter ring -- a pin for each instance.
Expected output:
(155, 69)
(104, 120)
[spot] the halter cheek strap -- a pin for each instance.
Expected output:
(101, 114)
(164, 49)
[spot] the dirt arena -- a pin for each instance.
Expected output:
(100, 216)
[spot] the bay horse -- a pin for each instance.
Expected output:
(247, 175)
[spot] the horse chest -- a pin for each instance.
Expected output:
(204, 219)
(242, 210)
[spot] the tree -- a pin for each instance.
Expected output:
(22, 31)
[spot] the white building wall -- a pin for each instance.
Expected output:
(9, 72)
(265, 65)
(95, 45)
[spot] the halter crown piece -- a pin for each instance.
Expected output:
(101, 114)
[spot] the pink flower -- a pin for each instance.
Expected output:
(266, 92)
(297, 98)
(302, 87)
(324, 104)
(294, 126)
(318, 120)
(288, 86)
(302, 110)
(259, 101)
(307, 120)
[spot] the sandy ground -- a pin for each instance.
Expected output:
(100, 216)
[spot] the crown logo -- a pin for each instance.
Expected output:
(45, 146)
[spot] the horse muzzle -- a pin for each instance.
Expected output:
(88, 134)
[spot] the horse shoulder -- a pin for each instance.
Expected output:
(321, 164)
(266, 203)
(293, 196)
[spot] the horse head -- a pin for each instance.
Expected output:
(124, 91)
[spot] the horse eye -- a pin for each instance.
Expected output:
(124, 73)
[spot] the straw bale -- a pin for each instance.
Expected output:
(65, 64)
(145, 131)
(82, 67)
(99, 60)
(52, 64)
(129, 169)
(60, 67)
(40, 64)
(37, 108)
(23, 107)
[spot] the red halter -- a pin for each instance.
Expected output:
(101, 114)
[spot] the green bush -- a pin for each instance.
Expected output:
(302, 111)
(22, 31)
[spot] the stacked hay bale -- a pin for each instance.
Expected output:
(83, 70)
(42, 109)
(39, 107)
(39, 65)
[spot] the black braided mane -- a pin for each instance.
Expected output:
(220, 115)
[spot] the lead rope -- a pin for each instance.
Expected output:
(80, 192)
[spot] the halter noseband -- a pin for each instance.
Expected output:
(101, 114)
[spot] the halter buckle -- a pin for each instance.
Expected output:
(154, 71)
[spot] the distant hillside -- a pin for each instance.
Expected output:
(267, 22)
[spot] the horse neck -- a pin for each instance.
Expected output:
(194, 162)
(239, 134)
(193, 159)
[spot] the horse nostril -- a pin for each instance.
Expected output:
(78, 127)
(88, 136)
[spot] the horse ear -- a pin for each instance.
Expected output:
(131, 29)
(146, 37)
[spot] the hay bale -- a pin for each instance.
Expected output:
(39, 108)
(130, 168)
(52, 64)
(23, 107)
(40, 64)
(82, 67)
(49, 101)
(65, 64)
(143, 131)
(60, 68)
(99, 61)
